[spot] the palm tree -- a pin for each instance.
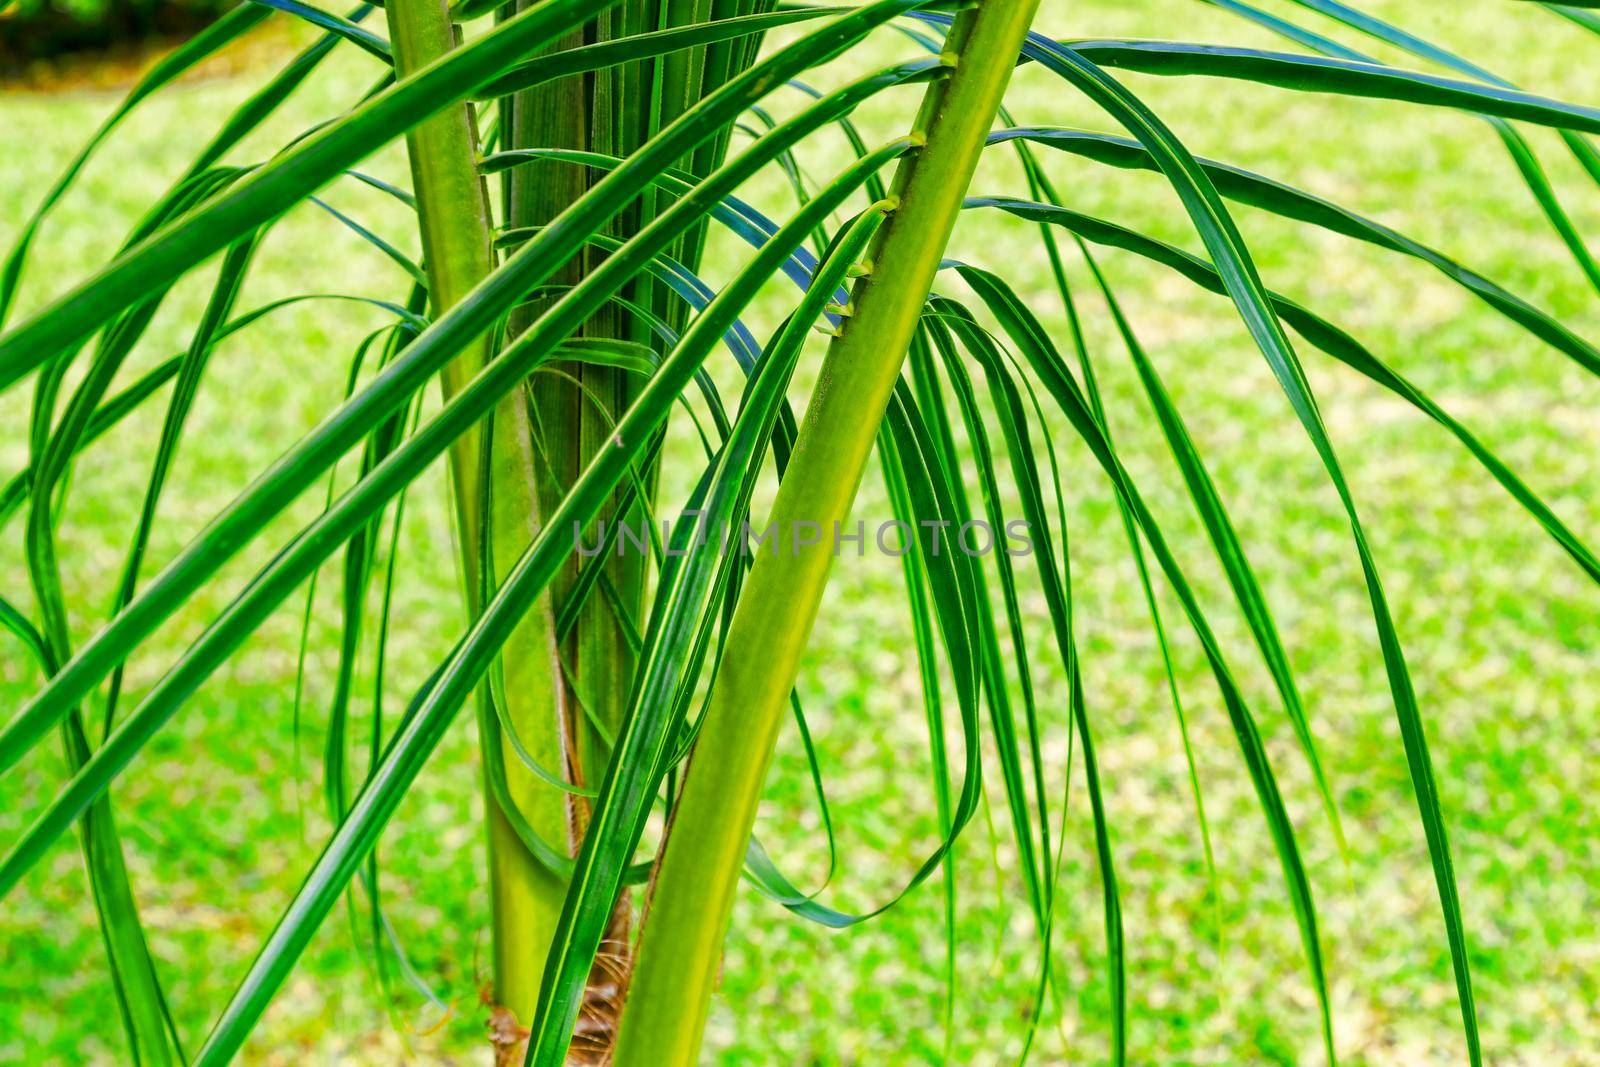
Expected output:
(568, 160)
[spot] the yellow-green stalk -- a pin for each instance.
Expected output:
(457, 239)
(692, 896)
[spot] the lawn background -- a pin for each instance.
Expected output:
(1499, 625)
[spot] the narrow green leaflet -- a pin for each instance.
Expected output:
(1325, 74)
(363, 39)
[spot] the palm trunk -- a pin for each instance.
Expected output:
(564, 692)
(693, 890)
(575, 407)
(457, 239)
(572, 410)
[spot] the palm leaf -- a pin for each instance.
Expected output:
(567, 319)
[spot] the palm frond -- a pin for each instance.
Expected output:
(591, 189)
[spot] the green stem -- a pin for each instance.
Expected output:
(692, 898)
(575, 409)
(574, 412)
(457, 241)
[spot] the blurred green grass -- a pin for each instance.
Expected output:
(223, 812)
